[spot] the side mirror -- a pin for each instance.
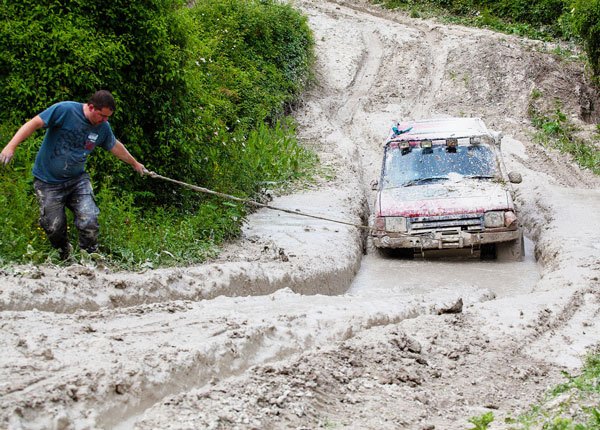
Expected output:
(374, 184)
(515, 177)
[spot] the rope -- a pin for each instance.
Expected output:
(252, 202)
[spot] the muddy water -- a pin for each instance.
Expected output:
(380, 276)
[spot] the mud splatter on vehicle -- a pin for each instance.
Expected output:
(444, 185)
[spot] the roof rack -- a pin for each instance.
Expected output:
(440, 129)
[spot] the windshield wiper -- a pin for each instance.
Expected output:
(424, 180)
(480, 176)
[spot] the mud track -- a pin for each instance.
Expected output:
(293, 327)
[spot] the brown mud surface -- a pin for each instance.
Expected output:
(292, 326)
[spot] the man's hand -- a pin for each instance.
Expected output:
(139, 167)
(123, 154)
(6, 155)
(23, 133)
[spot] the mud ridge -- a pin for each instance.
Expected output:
(270, 336)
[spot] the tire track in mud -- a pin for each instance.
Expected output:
(424, 101)
(188, 350)
(362, 82)
(396, 376)
(567, 313)
(121, 391)
(341, 120)
(153, 359)
(431, 38)
(571, 258)
(79, 287)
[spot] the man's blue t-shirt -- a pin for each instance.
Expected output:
(69, 139)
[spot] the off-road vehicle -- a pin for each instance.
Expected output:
(444, 185)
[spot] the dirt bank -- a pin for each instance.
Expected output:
(278, 332)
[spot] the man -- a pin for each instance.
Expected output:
(73, 130)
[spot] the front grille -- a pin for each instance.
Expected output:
(467, 222)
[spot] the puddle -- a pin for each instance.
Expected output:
(392, 276)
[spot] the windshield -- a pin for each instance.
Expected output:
(424, 165)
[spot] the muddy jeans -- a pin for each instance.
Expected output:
(78, 196)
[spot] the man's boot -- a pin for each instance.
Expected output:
(64, 252)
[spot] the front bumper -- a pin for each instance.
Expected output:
(443, 240)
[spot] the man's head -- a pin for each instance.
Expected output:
(103, 99)
(101, 106)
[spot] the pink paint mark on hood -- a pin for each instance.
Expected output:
(443, 199)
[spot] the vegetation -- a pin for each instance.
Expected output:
(482, 422)
(554, 129)
(572, 405)
(542, 19)
(202, 92)
(585, 19)
(577, 20)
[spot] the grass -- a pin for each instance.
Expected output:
(482, 19)
(482, 421)
(572, 405)
(134, 236)
(554, 129)
(203, 92)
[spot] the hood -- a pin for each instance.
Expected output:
(444, 198)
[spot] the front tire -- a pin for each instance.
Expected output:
(397, 253)
(488, 251)
(513, 250)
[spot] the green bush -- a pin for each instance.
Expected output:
(536, 12)
(482, 421)
(201, 94)
(184, 78)
(586, 21)
(68, 49)
(21, 238)
(134, 238)
(535, 18)
(254, 59)
(555, 129)
(565, 19)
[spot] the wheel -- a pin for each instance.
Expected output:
(513, 250)
(403, 253)
(488, 251)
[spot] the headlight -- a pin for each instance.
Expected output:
(395, 224)
(493, 219)
(510, 219)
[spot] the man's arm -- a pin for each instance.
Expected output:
(24, 132)
(122, 153)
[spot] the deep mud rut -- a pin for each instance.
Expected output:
(279, 332)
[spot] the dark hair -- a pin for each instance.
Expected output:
(103, 99)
